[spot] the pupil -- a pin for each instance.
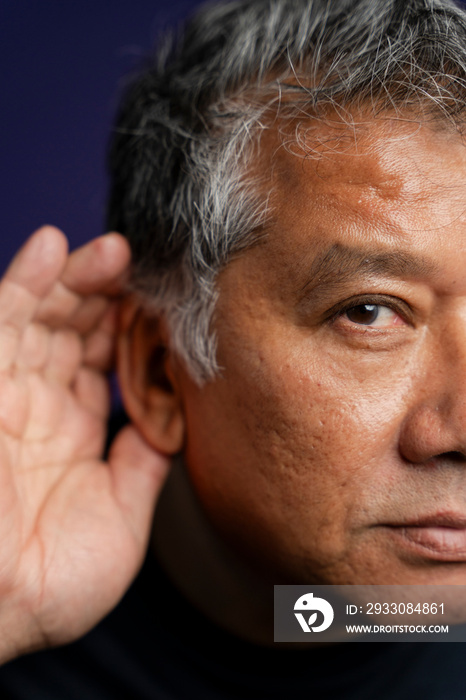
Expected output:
(365, 313)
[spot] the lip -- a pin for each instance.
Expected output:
(441, 537)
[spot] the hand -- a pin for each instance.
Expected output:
(73, 529)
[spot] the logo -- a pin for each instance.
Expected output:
(308, 603)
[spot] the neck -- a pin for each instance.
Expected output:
(204, 568)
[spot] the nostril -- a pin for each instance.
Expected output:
(454, 456)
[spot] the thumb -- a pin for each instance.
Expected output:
(139, 473)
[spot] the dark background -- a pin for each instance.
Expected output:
(62, 68)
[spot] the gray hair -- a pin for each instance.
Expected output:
(189, 125)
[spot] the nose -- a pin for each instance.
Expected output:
(435, 426)
(427, 434)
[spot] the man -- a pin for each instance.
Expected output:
(291, 179)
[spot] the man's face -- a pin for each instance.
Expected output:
(331, 448)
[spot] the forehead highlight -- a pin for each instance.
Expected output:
(380, 158)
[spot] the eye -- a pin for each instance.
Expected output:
(373, 315)
(379, 312)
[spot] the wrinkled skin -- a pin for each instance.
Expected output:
(333, 433)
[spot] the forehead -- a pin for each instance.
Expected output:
(386, 160)
(390, 193)
(385, 182)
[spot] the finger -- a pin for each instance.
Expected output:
(139, 473)
(99, 267)
(34, 348)
(92, 391)
(28, 349)
(64, 356)
(89, 314)
(58, 306)
(31, 275)
(100, 346)
(14, 406)
(45, 410)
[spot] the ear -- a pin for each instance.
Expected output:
(147, 372)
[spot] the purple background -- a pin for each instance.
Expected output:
(62, 65)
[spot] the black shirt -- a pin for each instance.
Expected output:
(155, 645)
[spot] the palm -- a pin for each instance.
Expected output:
(73, 528)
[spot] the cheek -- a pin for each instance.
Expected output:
(315, 446)
(289, 455)
(312, 416)
(284, 443)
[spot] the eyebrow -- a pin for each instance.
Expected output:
(340, 263)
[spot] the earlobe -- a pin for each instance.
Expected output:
(147, 375)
